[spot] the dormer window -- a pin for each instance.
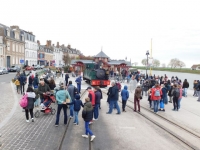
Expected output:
(8, 32)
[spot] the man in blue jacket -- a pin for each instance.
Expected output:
(22, 80)
(125, 96)
(78, 81)
(114, 96)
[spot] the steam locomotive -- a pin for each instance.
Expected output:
(95, 75)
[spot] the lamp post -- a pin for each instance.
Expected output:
(147, 53)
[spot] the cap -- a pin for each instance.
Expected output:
(88, 88)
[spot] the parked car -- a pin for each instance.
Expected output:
(29, 68)
(37, 67)
(15, 69)
(1, 70)
(42, 66)
(5, 70)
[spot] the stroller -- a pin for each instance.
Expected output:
(48, 99)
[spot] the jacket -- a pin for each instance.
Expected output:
(114, 95)
(30, 80)
(108, 93)
(97, 97)
(52, 86)
(87, 113)
(62, 95)
(78, 80)
(138, 92)
(35, 81)
(31, 100)
(164, 92)
(91, 95)
(185, 85)
(22, 79)
(181, 92)
(153, 97)
(17, 82)
(66, 77)
(77, 104)
(43, 89)
(125, 93)
(70, 89)
(36, 93)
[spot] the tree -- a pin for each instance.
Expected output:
(144, 62)
(156, 63)
(174, 63)
(66, 59)
(135, 63)
(163, 65)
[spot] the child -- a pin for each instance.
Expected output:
(87, 115)
(17, 83)
(77, 106)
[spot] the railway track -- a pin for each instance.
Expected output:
(186, 136)
(65, 132)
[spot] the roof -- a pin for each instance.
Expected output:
(195, 66)
(74, 61)
(102, 55)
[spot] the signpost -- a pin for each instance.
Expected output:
(21, 61)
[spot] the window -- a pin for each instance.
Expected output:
(1, 51)
(8, 46)
(17, 61)
(22, 49)
(13, 47)
(8, 32)
(16, 48)
(33, 55)
(13, 62)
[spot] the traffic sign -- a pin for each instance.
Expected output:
(21, 61)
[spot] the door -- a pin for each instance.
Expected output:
(27, 62)
(8, 61)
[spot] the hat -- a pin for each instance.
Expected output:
(77, 96)
(41, 77)
(88, 88)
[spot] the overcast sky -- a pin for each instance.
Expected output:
(123, 28)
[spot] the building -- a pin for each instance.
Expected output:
(195, 67)
(13, 37)
(45, 54)
(2, 52)
(58, 54)
(104, 61)
(30, 49)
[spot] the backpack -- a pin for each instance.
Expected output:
(24, 101)
(176, 93)
(157, 93)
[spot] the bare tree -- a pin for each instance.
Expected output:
(163, 65)
(66, 59)
(156, 63)
(181, 64)
(144, 62)
(174, 63)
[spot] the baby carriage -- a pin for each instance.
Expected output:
(48, 99)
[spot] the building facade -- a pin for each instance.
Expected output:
(30, 49)
(13, 37)
(2, 52)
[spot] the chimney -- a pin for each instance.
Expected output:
(57, 45)
(38, 42)
(49, 43)
(69, 46)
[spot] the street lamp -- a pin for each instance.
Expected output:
(147, 53)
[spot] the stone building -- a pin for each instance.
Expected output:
(13, 37)
(2, 52)
(30, 49)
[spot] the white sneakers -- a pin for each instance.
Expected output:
(85, 136)
(27, 120)
(71, 117)
(92, 137)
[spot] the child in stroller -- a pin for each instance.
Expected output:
(48, 99)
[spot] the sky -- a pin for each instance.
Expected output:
(121, 28)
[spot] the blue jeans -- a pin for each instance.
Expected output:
(87, 129)
(156, 103)
(41, 100)
(165, 99)
(60, 106)
(96, 111)
(76, 117)
(79, 88)
(112, 103)
(185, 89)
(71, 110)
(179, 103)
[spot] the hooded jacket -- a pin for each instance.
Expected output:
(31, 100)
(87, 113)
(125, 93)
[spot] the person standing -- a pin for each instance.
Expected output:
(194, 87)
(61, 97)
(99, 89)
(156, 96)
(198, 90)
(137, 98)
(72, 92)
(180, 97)
(163, 98)
(133, 84)
(125, 96)
(78, 81)
(91, 96)
(97, 102)
(52, 84)
(185, 86)
(87, 115)
(114, 96)
(176, 95)
(22, 80)
(35, 82)
(66, 78)
(31, 99)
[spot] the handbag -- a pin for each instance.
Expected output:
(67, 99)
